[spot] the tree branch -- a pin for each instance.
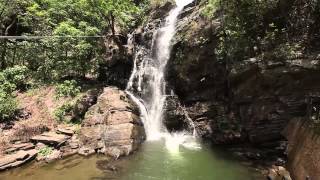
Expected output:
(10, 26)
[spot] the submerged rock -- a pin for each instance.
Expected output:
(112, 125)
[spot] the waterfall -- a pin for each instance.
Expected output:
(147, 85)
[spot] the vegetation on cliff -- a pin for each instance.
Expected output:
(67, 39)
(274, 29)
(73, 31)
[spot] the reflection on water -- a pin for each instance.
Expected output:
(152, 162)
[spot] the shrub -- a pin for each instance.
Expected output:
(45, 151)
(67, 88)
(61, 112)
(8, 105)
(16, 75)
(5, 85)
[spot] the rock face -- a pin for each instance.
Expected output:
(303, 150)
(112, 125)
(116, 67)
(175, 118)
(250, 100)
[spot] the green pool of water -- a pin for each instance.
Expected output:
(152, 162)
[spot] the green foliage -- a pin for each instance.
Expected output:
(5, 85)
(157, 3)
(62, 55)
(61, 112)
(210, 8)
(16, 75)
(8, 105)
(45, 151)
(67, 88)
(77, 129)
(247, 27)
(10, 80)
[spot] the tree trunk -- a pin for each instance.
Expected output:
(3, 54)
(112, 25)
(111, 22)
(3, 64)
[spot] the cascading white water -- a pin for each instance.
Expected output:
(147, 80)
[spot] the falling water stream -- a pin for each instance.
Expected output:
(147, 85)
(165, 156)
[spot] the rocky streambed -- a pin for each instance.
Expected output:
(152, 161)
(112, 126)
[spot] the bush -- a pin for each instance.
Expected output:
(5, 85)
(8, 105)
(45, 151)
(10, 80)
(67, 88)
(16, 76)
(61, 112)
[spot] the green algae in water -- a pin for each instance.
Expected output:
(151, 162)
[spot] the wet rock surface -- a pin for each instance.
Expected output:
(175, 117)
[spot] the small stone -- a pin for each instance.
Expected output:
(74, 145)
(280, 162)
(272, 175)
(66, 131)
(69, 153)
(113, 152)
(86, 151)
(40, 145)
(112, 168)
(56, 154)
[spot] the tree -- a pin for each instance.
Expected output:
(119, 12)
(11, 11)
(64, 54)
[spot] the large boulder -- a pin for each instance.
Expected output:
(112, 126)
